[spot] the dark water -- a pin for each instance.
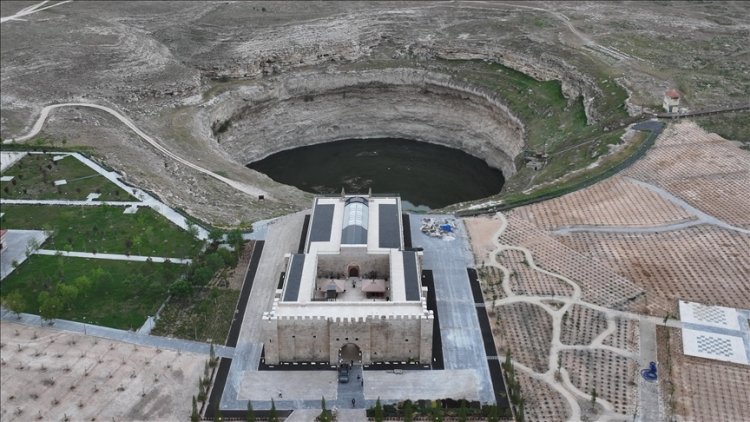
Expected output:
(425, 175)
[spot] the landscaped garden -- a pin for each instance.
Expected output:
(119, 294)
(34, 177)
(103, 229)
(203, 303)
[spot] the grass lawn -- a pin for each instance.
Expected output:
(121, 295)
(733, 126)
(204, 316)
(35, 175)
(104, 229)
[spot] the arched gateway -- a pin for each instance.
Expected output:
(349, 353)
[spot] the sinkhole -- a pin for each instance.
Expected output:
(426, 176)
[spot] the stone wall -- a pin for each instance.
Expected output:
(392, 338)
(339, 263)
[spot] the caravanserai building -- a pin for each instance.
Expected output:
(355, 293)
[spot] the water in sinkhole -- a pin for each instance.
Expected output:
(427, 176)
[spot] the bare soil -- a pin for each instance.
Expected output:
(49, 374)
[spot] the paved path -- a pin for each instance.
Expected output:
(16, 251)
(649, 405)
(18, 16)
(68, 202)
(352, 390)
(698, 217)
(112, 256)
(586, 228)
(242, 187)
(463, 346)
(702, 216)
(282, 237)
(120, 335)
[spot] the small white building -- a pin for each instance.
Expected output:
(671, 100)
(355, 294)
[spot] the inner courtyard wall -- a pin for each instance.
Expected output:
(339, 263)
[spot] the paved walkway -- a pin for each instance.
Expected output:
(463, 346)
(121, 335)
(112, 256)
(282, 237)
(68, 202)
(17, 244)
(352, 390)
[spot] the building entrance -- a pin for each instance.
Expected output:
(350, 352)
(354, 271)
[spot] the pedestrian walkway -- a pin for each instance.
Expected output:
(463, 345)
(69, 202)
(351, 394)
(120, 335)
(112, 256)
(18, 243)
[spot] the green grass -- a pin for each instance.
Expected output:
(551, 120)
(103, 228)
(585, 178)
(35, 175)
(733, 126)
(206, 315)
(122, 293)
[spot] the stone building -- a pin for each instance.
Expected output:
(671, 100)
(355, 293)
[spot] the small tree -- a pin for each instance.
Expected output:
(437, 414)
(14, 302)
(250, 412)
(192, 229)
(378, 412)
(407, 411)
(49, 306)
(593, 398)
(272, 416)
(492, 414)
(217, 413)
(32, 246)
(325, 414)
(463, 412)
(194, 416)
(215, 236)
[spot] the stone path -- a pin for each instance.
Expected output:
(112, 256)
